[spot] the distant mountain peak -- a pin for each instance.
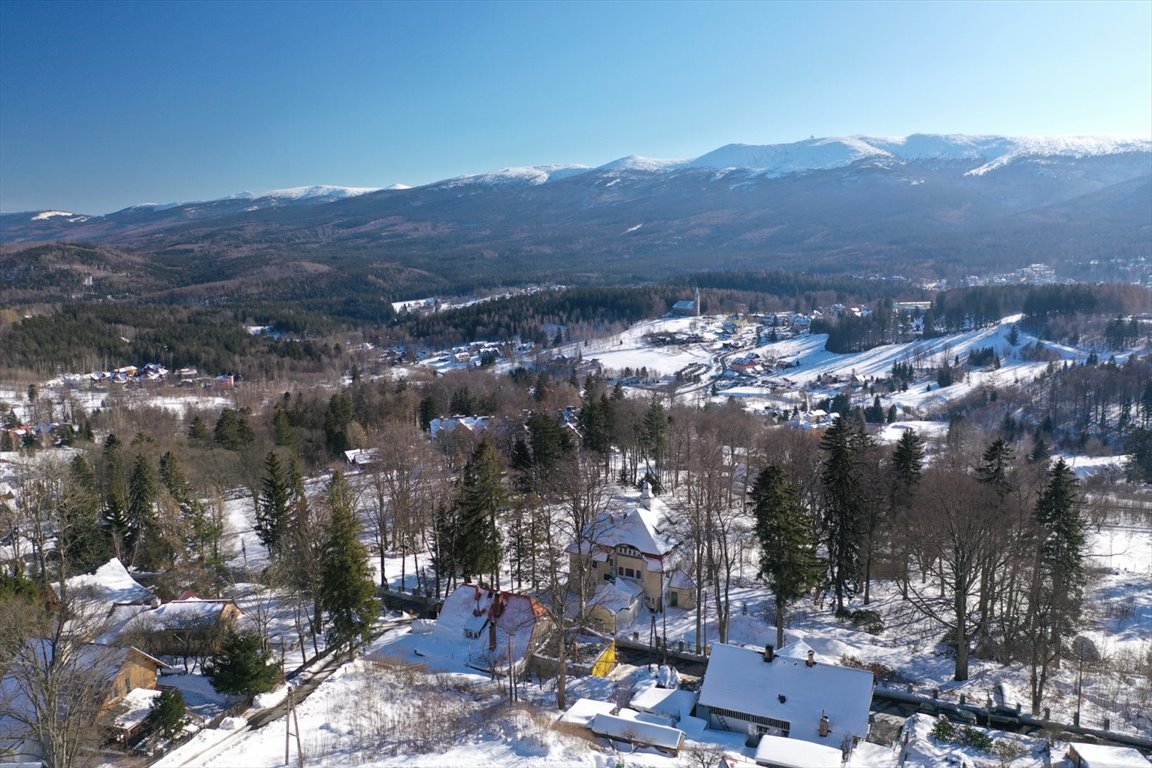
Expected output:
(529, 174)
(327, 191)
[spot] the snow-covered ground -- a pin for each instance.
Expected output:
(375, 711)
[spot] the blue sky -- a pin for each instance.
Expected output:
(107, 104)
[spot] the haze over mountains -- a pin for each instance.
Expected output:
(922, 205)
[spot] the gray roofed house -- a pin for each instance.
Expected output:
(763, 692)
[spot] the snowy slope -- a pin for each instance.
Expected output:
(984, 152)
(315, 192)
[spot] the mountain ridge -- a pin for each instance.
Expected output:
(948, 207)
(779, 159)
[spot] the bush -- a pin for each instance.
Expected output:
(944, 730)
(867, 620)
(974, 737)
(243, 666)
(882, 673)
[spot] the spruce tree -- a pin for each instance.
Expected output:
(995, 469)
(168, 713)
(83, 544)
(198, 430)
(788, 561)
(843, 513)
(243, 667)
(347, 591)
(143, 490)
(1058, 585)
(908, 458)
(282, 429)
(479, 499)
(906, 469)
(272, 511)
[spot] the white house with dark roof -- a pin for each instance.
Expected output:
(633, 541)
(763, 692)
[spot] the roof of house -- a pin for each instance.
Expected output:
(106, 660)
(360, 455)
(110, 583)
(669, 701)
(636, 731)
(472, 608)
(584, 710)
(630, 523)
(468, 423)
(787, 689)
(135, 708)
(1105, 756)
(781, 752)
(181, 614)
(616, 595)
(681, 580)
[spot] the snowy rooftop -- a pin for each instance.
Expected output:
(739, 679)
(181, 613)
(794, 753)
(111, 583)
(617, 595)
(135, 707)
(584, 710)
(463, 633)
(637, 731)
(668, 701)
(1104, 756)
(629, 522)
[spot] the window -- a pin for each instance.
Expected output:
(764, 724)
(627, 551)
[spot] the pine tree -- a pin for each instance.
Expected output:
(1058, 586)
(143, 490)
(168, 713)
(347, 591)
(996, 468)
(788, 561)
(243, 667)
(843, 508)
(83, 544)
(114, 515)
(272, 511)
(282, 429)
(906, 470)
(198, 430)
(479, 499)
(908, 458)
(654, 434)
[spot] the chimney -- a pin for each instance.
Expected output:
(811, 662)
(769, 653)
(646, 495)
(825, 727)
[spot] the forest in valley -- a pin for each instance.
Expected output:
(987, 538)
(346, 473)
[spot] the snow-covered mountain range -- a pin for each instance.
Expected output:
(920, 205)
(979, 154)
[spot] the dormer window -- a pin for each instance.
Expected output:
(628, 551)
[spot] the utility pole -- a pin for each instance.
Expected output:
(292, 728)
